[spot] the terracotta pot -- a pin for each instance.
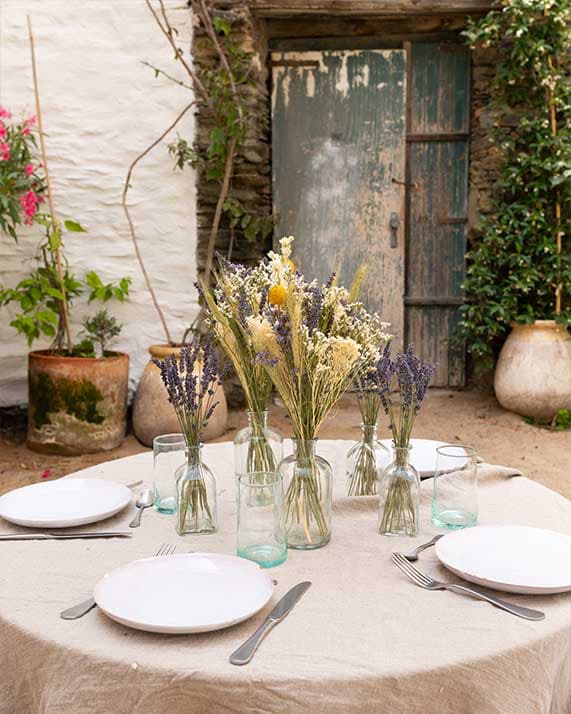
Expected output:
(152, 413)
(533, 374)
(76, 405)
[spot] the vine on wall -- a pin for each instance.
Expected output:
(520, 271)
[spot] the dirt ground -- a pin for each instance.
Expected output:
(467, 417)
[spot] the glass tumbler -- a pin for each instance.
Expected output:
(168, 455)
(261, 533)
(454, 495)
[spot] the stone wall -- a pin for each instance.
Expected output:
(485, 156)
(251, 181)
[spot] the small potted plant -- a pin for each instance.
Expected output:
(77, 398)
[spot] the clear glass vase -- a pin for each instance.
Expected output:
(195, 495)
(257, 447)
(365, 461)
(399, 495)
(308, 481)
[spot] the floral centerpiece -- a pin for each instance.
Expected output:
(400, 482)
(313, 340)
(191, 381)
(240, 293)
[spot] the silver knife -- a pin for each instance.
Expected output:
(66, 536)
(245, 652)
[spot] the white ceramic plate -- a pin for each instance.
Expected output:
(64, 503)
(423, 456)
(178, 594)
(514, 559)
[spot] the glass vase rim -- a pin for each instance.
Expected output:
(298, 439)
(257, 412)
(244, 478)
(173, 435)
(468, 451)
(396, 447)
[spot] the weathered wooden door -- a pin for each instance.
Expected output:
(438, 147)
(338, 157)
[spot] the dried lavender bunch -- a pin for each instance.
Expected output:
(399, 504)
(191, 381)
(413, 377)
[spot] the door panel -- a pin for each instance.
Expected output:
(438, 151)
(338, 157)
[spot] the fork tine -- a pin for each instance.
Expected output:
(171, 549)
(415, 575)
(409, 573)
(160, 551)
(415, 570)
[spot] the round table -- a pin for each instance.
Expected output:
(362, 639)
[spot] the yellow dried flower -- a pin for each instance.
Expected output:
(277, 295)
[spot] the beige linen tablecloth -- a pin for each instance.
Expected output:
(362, 639)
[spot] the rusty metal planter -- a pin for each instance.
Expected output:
(76, 405)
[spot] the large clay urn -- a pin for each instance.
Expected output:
(152, 413)
(76, 405)
(533, 374)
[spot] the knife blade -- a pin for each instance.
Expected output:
(246, 651)
(66, 536)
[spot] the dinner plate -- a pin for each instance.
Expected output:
(423, 456)
(514, 559)
(179, 594)
(64, 503)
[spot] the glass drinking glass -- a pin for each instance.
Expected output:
(454, 495)
(168, 455)
(261, 532)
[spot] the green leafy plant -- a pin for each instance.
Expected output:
(561, 420)
(521, 264)
(101, 329)
(22, 184)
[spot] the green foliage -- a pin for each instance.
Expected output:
(514, 271)
(104, 292)
(22, 184)
(101, 329)
(50, 395)
(230, 125)
(40, 296)
(561, 420)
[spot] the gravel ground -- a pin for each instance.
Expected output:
(468, 417)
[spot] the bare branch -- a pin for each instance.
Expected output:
(169, 34)
(228, 168)
(158, 70)
(130, 221)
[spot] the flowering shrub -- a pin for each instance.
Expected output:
(21, 182)
(521, 269)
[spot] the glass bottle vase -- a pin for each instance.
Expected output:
(257, 447)
(365, 461)
(308, 484)
(399, 495)
(195, 495)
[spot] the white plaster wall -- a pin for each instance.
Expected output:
(101, 107)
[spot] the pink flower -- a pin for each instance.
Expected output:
(29, 170)
(4, 113)
(2, 130)
(47, 473)
(30, 121)
(26, 131)
(5, 151)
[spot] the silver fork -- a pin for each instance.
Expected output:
(427, 583)
(82, 608)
